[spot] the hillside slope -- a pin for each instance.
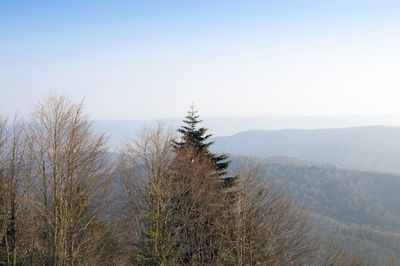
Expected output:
(361, 209)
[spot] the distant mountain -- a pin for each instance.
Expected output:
(226, 126)
(372, 148)
(360, 209)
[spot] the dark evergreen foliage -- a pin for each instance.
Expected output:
(193, 135)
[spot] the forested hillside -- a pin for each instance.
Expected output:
(360, 210)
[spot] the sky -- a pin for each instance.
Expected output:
(153, 59)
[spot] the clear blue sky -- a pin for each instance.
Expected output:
(152, 59)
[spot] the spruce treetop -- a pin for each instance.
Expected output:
(196, 136)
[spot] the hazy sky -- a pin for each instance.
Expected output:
(152, 59)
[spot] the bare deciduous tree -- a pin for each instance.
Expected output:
(268, 229)
(14, 170)
(144, 166)
(73, 176)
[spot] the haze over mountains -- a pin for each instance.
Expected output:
(374, 148)
(227, 126)
(371, 148)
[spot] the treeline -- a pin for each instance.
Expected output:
(373, 246)
(165, 200)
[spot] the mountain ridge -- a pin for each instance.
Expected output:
(369, 148)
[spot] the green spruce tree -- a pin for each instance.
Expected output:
(192, 134)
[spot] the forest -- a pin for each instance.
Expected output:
(163, 199)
